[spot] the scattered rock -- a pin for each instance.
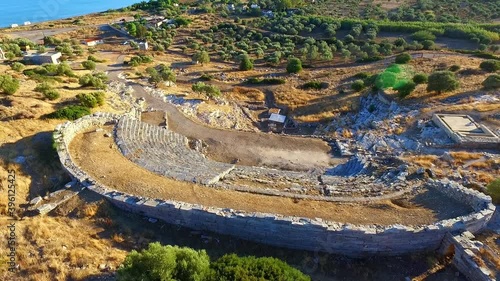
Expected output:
(420, 171)
(152, 220)
(447, 157)
(36, 200)
(107, 135)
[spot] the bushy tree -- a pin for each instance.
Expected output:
(406, 89)
(423, 35)
(51, 95)
(490, 65)
(89, 65)
(43, 87)
(234, 268)
(91, 100)
(209, 90)
(8, 84)
(96, 80)
(442, 81)
(358, 85)
(17, 66)
(159, 262)
(494, 190)
(71, 112)
(245, 63)
(294, 65)
(403, 58)
(201, 57)
(492, 82)
(420, 78)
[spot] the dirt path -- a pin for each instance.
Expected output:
(249, 148)
(108, 166)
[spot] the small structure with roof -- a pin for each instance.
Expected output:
(48, 57)
(143, 46)
(465, 131)
(93, 42)
(276, 121)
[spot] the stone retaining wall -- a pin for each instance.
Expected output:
(466, 254)
(285, 231)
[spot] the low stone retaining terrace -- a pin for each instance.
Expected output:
(284, 231)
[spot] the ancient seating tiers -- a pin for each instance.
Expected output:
(166, 153)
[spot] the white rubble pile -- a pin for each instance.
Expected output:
(234, 119)
(381, 127)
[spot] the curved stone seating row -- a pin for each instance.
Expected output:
(314, 183)
(284, 231)
(166, 153)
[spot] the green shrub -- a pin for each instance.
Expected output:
(43, 87)
(94, 59)
(294, 65)
(403, 58)
(71, 112)
(265, 81)
(454, 68)
(51, 95)
(494, 190)
(96, 80)
(358, 85)
(423, 35)
(210, 91)
(140, 59)
(159, 262)
(246, 63)
(315, 85)
(490, 65)
(89, 65)
(8, 84)
(91, 100)
(17, 66)
(406, 89)
(492, 82)
(442, 81)
(201, 57)
(231, 267)
(420, 78)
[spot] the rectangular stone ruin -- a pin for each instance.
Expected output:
(465, 131)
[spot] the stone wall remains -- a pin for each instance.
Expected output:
(285, 231)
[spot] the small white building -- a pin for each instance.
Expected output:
(48, 57)
(144, 46)
(254, 6)
(14, 25)
(93, 42)
(27, 23)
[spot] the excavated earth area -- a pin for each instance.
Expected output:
(99, 156)
(251, 149)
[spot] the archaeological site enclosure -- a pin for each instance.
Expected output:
(392, 208)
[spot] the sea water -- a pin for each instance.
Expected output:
(20, 11)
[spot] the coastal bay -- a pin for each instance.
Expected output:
(18, 12)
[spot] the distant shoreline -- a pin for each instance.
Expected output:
(38, 12)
